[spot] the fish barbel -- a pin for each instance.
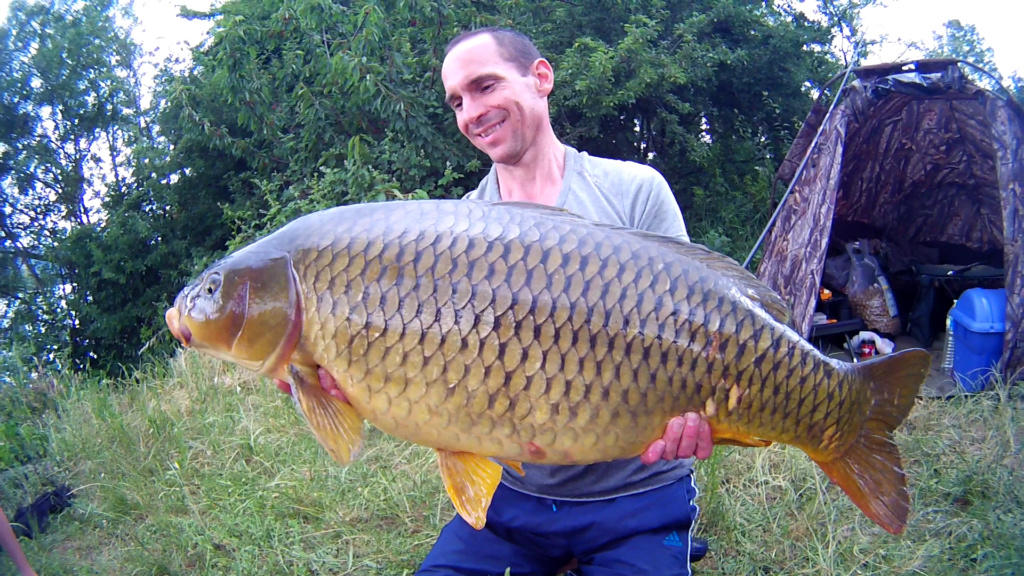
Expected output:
(526, 334)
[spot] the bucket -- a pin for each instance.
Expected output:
(978, 321)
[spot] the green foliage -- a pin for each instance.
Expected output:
(684, 86)
(849, 42)
(960, 40)
(304, 94)
(358, 181)
(297, 105)
(310, 92)
(24, 401)
(69, 92)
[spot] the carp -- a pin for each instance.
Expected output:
(523, 333)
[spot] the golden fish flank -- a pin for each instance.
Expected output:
(524, 333)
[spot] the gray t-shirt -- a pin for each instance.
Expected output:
(625, 194)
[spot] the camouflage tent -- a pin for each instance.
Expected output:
(918, 157)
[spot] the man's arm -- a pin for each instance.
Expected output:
(10, 544)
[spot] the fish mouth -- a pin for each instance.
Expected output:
(179, 330)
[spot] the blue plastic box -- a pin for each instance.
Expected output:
(978, 321)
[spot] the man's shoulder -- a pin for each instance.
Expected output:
(613, 168)
(487, 189)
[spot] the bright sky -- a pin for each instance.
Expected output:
(161, 29)
(901, 21)
(997, 21)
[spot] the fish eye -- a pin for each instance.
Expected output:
(212, 284)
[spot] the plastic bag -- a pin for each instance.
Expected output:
(837, 271)
(869, 292)
(883, 346)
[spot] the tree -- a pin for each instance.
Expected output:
(295, 106)
(67, 75)
(843, 17)
(958, 40)
(309, 104)
(320, 104)
(684, 86)
(1017, 87)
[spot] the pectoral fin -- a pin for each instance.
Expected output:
(335, 423)
(470, 481)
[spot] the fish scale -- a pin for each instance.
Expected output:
(527, 334)
(371, 254)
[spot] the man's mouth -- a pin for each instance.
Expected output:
(490, 131)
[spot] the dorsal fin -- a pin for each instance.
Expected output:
(747, 284)
(523, 205)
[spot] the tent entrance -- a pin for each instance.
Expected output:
(925, 166)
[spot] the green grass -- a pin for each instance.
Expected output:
(772, 511)
(198, 468)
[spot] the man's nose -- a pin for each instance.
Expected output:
(472, 109)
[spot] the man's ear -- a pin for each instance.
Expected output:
(543, 76)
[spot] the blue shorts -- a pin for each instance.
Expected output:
(634, 535)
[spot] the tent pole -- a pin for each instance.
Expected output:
(800, 168)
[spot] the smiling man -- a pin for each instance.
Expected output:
(628, 517)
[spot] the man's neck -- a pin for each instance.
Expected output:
(537, 177)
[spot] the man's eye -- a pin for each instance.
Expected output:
(457, 105)
(486, 88)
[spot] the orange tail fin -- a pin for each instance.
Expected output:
(870, 470)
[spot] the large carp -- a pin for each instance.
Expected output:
(524, 333)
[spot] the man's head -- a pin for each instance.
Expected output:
(497, 83)
(515, 47)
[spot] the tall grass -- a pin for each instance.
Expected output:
(197, 468)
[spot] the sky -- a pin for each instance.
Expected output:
(997, 21)
(900, 21)
(162, 30)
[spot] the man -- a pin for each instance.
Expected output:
(628, 517)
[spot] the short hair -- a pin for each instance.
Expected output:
(515, 47)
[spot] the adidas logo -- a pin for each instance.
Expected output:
(673, 540)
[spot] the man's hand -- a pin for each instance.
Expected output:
(327, 382)
(686, 436)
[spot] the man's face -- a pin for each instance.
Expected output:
(497, 108)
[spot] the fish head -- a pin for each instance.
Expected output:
(244, 309)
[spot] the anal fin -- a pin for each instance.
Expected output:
(470, 480)
(335, 423)
(730, 438)
(517, 466)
